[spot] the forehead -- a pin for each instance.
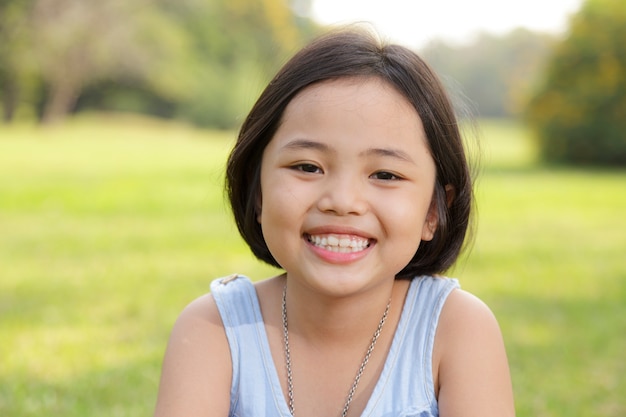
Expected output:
(351, 93)
(354, 108)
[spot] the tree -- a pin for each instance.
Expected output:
(16, 66)
(579, 113)
(238, 44)
(194, 59)
(80, 42)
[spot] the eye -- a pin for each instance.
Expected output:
(385, 176)
(308, 168)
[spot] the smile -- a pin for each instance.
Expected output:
(339, 243)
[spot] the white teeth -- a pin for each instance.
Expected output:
(339, 244)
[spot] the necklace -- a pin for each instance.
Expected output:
(359, 373)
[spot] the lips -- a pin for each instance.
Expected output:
(339, 243)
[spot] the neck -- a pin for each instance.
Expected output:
(361, 369)
(344, 320)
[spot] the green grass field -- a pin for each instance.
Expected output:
(110, 226)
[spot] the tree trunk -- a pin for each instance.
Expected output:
(10, 94)
(60, 102)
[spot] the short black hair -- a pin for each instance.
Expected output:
(354, 52)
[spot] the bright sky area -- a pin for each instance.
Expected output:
(415, 22)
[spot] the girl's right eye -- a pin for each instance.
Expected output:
(308, 168)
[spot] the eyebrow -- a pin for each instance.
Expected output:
(389, 153)
(307, 144)
(322, 147)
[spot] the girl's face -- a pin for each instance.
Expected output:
(346, 186)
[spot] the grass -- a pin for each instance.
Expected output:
(108, 227)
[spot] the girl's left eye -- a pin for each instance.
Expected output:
(309, 168)
(384, 175)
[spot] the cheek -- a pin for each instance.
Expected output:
(279, 213)
(408, 221)
(277, 226)
(411, 220)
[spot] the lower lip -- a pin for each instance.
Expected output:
(338, 257)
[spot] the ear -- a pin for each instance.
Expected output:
(450, 194)
(432, 218)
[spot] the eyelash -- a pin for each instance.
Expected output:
(314, 169)
(385, 176)
(307, 168)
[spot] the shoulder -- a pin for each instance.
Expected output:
(465, 321)
(469, 360)
(462, 310)
(197, 369)
(200, 319)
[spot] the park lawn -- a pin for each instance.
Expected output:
(109, 226)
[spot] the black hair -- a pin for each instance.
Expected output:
(353, 52)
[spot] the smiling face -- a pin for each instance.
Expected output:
(346, 185)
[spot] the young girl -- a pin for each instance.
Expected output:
(349, 174)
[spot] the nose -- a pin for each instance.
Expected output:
(342, 195)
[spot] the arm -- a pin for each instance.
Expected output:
(197, 368)
(470, 365)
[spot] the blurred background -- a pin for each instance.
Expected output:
(117, 117)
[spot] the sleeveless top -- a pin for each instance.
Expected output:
(405, 387)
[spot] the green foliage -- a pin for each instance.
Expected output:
(238, 45)
(110, 226)
(16, 65)
(191, 59)
(579, 114)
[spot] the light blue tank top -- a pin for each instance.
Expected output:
(405, 387)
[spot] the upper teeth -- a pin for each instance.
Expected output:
(337, 243)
